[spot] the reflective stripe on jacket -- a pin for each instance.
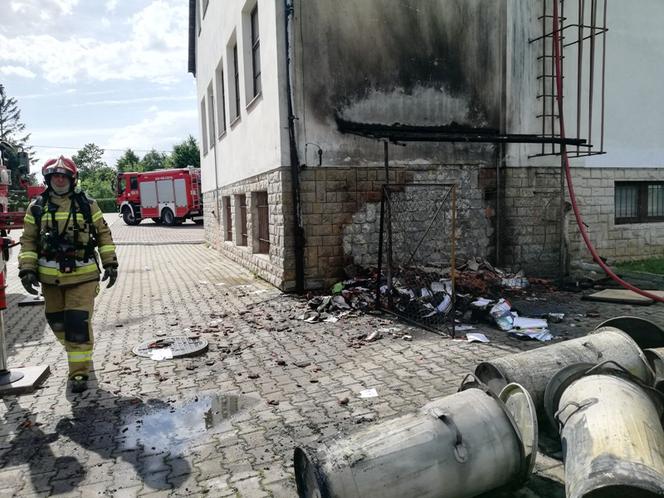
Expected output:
(34, 254)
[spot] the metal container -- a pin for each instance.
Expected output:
(644, 332)
(655, 357)
(613, 441)
(533, 369)
(454, 447)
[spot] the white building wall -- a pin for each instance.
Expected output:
(257, 141)
(634, 123)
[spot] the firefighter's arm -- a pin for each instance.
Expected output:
(104, 237)
(28, 255)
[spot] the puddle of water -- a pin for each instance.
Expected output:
(162, 426)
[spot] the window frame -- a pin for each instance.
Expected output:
(261, 209)
(641, 202)
(221, 98)
(204, 130)
(228, 218)
(211, 112)
(255, 52)
(236, 81)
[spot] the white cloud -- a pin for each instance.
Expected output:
(111, 5)
(139, 100)
(156, 49)
(159, 131)
(17, 71)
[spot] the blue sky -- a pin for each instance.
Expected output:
(111, 72)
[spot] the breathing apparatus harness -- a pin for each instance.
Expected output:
(54, 244)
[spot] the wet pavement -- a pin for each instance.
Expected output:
(225, 423)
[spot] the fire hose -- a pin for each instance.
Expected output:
(568, 172)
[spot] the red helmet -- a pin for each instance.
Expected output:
(61, 165)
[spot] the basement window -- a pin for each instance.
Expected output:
(228, 218)
(639, 202)
(241, 218)
(262, 226)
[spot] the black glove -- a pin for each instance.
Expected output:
(29, 280)
(110, 274)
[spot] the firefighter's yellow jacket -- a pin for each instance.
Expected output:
(42, 249)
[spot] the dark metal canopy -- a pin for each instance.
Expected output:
(398, 132)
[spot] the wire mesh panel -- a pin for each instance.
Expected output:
(416, 254)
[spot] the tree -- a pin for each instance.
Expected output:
(185, 154)
(153, 160)
(88, 160)
(129, 161)
(11, 127)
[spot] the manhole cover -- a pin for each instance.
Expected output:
(171, 347)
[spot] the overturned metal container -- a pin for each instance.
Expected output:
(645, 333)
(655, 357)
(613, 441)
(533, 369)
(454, 447)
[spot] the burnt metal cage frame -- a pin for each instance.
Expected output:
(387, 227)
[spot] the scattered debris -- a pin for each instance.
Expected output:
(407, 337)
(476, 337)
(343, 401)
(369, 393)
(302, 364)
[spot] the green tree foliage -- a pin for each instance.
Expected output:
(12, 131)
(153, 160)
(185, 154)
(88, 160)
(129, 161)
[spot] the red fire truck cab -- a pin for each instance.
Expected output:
(168, 196)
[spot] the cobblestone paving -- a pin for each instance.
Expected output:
(224, 423)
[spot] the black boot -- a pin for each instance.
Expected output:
(79, 383)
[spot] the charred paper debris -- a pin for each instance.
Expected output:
(428, 297)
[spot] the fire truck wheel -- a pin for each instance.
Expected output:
(156, 220)
(129, 217)
(167, 217)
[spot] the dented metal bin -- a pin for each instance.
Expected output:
(613, 441)
(454, 447)
(533, 369)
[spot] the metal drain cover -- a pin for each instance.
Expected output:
(171, 347)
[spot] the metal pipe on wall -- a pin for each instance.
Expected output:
(298, 230)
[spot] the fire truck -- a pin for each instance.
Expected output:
(168, 196)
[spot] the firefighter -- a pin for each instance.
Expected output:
(63, 230)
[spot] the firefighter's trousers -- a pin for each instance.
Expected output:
(69, 314)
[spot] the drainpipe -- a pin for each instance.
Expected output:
(298, 230)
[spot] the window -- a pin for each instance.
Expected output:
(133, 183)
(228, 219)
(221, 99)
(210, 96)
(639, 202)
(204, 132)
(236, 81)
(198, 18)
(255, 52)
(122, 184)
(262, 227)
(241, 210)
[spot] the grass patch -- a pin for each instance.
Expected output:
(655, 265)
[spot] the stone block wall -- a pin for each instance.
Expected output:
(341, 214)
(532, 209)
(277, 267)
(340, 209)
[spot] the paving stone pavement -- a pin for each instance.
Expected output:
(224, 423)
